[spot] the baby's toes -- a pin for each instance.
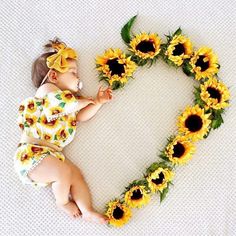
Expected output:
(77, 215)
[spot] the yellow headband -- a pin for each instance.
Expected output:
(58, 60)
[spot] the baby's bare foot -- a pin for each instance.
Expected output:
(94, 217)
(71, 209)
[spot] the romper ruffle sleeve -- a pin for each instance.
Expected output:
(59, 103)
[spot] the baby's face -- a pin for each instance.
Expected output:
(70, 79)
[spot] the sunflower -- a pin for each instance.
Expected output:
(21, 125)
(204, 63)
(118, 213)
(68, 97)
(49, 125)
(24, 155)
(137, 194)
(115, 67)
(71, 121)
(65, 117)
(145, 47)
(47, 137)
(36, 149)
(61, 134)
(30, 120)
(31, 106)
(54, 110)
(159, 179)
(215, 94)
(45, 102)
(21, 108)
(178, 49)
(60, 156)
(194, 123)
(179, 150)
(38, 131)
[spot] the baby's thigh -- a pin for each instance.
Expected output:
(76, 171)
(50, 169)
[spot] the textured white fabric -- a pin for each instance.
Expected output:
(123, 138)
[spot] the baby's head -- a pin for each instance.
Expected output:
(58, 67)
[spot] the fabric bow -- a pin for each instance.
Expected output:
(58, 60)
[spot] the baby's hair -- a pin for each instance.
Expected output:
(55, 41)
(39, 67)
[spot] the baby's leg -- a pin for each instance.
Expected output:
(59, 173)
(81, 195)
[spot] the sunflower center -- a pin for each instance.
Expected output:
(193, 123)
(145, 46)
(179, 49)
(136, 194)
(29, 121)
(159, 180)
(31, 106)
(115, 67)
(118, 213)
(204, 65)
(214, 93)
(178, 150)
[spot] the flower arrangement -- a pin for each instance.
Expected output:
(211, 98)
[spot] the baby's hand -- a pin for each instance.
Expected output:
(104, 96)
(83, 102)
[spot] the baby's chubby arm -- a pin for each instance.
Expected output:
(90, 110)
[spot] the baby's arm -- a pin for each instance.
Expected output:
(88, 112)
(103, 96)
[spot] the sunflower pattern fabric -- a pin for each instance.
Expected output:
(51, 118)
(28, 156)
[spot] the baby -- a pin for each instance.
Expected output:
(48, 122)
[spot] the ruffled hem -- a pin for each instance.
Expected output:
(56, 116)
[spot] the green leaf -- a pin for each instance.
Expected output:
(142, 62)
(217, 121)
(155, 165)
(163, 194)
(25, 124)
(198, 99)
(62, 104)
(187, 69)
(58, 96)
(177, 32)
(216, 124)
(170, 63)
(38, 103)
(70, 130)
(116, 85)
(125, 31)
(164, 157)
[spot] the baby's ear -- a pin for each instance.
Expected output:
(52, 75)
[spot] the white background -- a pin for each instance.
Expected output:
(123, 138)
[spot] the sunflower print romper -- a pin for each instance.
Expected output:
(51, 118)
